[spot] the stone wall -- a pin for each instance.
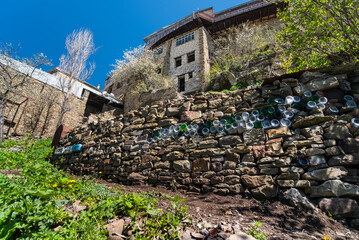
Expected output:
(34, 109)
(317, 156)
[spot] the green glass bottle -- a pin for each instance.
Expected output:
(271, 110)
(270, 100)
(183, 127)
(262, 111)
(208, 124)
(314, 98)
(257, 124)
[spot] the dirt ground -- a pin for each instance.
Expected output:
(279, 220)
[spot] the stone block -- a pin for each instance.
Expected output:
(337, 131)
(229, 165)
(264, 192)
(324, 174)
(191, 115)
(175, 155)
(334, 188)
(340, 207)
(201, 164)
(322, 84)
(345, 160)
(294, 183)
(256, 181)
(311, 120)
(182, 166)
(254, 136)
(230, 140)
(350, 145)
(279, 132)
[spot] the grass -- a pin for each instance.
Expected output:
(37, 204)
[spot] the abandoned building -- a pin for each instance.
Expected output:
(34, 108)
(185, 45)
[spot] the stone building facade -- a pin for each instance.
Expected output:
(34, 107)
(186, 45)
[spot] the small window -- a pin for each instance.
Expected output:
(178, 61)
(83, 93)
(159, 70)
(190, 75)
(181, 84)
(191, 57)
(159, 50)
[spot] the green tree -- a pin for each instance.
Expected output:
(320, 32)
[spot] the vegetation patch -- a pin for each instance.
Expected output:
(42, 202)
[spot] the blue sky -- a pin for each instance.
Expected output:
(42, 25)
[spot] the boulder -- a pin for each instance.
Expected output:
(115, 228)
(324, 174)
(230, 140)
(340, 207)
(334, 188)
(136, 177)
(298, 199)
(190, 115)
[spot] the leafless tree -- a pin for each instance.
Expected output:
(11, 80)
(79, 46)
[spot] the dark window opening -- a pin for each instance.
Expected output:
(178, 61)
(191, 57)
(181, 84)
(83, 93)
(159, 70)
(190, 75)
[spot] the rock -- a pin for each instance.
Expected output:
(234, 157)
(330, 173)
(217, 179)
(162, 165)
(182, 166)
(350, 145)
(209, 152)
(294, 183)
(279, 132)
(256, 181)
(334, 188)
(338, 131)
(289, 176)
(318, 161)
(354, 223)
(229, 165)
(264, 192)
(197, 235)
(247, 158)
(259, 151)
(345, 160)
(230, 140)
(298, 199)
(216, 166)
(311, 120)
(332, 151)
(77, 207)
(254, 136)
(199, 106)
(232, 179)
(240, 236)
(175, 155)
(201, 165)
(312, 131)
(322, 84)
(190, 115)
(173, 111)
(136, 177)
(340, 207)
(114, 227)
(167, 122)
(313, 151)
(211, 143)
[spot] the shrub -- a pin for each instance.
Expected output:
(141, 66)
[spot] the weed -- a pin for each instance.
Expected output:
(255, 231)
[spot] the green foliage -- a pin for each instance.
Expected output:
(238, 51)
(320, 33)
(138, 71)
(39, 201)
(255, 231)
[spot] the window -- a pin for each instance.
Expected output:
(159, 70)
(181, 84)
(191, 57)
(83, 93)
(185, 38)
(159, 50)
(178, 61)
(190, 75)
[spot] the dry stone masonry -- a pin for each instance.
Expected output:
(311, 159)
